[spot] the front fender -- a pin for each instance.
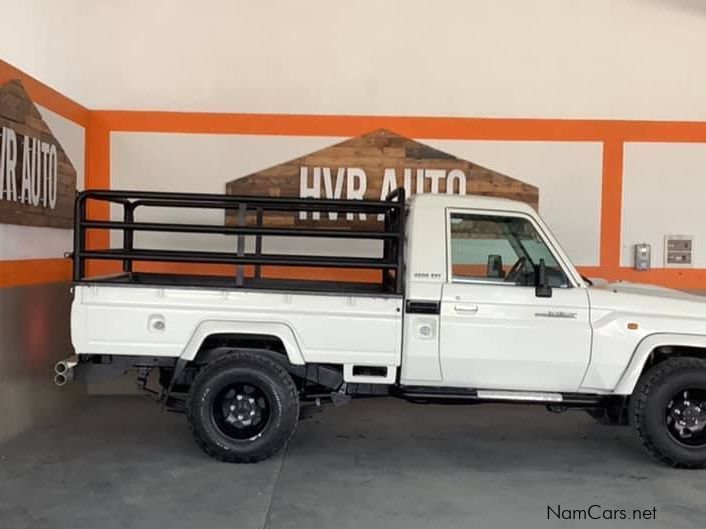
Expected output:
(276, 329)
(632, 373)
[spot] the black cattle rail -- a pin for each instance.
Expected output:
(251, 214)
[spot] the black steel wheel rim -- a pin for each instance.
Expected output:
(241, 411)
(685, 417)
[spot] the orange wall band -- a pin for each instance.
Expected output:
(509, 129)
(41, 271)
(611, 207)
(45, 95)
(27, 272)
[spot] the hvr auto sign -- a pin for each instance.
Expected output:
(28, 169)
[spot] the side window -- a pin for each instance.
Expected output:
(499, 249)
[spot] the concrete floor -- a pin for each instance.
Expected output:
(120, 462)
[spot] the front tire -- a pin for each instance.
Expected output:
(242, 408)
(668, 410)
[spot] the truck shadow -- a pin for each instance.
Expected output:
(392, 464)
(500, 438)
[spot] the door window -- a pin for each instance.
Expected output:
(499, 249)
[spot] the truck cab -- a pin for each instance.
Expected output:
(472, 297)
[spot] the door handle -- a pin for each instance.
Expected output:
(465, 308)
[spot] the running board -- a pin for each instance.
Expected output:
(461, 395)
(524, 396)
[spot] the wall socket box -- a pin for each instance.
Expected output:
(678, 251)
(643, 253)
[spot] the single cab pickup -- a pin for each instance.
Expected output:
(459, 299)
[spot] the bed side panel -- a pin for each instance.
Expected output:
(161, 321)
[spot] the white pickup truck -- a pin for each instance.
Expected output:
(469, 299)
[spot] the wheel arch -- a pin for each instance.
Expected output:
(244, 331)
(653, 349)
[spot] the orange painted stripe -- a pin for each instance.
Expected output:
(415, 127)
(683, 279)
(97, 163)
(199, 269)
(27, 272)
(590, 271)
(323, 274)
(39, 271)
(45, 95)
(272, 272)
(611, 205)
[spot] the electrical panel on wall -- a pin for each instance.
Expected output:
(678, 251)
(642, 256)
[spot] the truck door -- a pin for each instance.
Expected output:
(495, 332)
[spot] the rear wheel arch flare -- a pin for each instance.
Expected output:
(267, 336)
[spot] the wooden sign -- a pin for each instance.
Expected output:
(37, 180)
(372, 165)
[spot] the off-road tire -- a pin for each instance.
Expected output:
(253, 368)
(648, 404)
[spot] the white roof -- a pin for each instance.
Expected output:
(432, 200)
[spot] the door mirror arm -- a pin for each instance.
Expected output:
(495, 267)
(542, 290)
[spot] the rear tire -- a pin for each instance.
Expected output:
(668, 410)
(242, 408)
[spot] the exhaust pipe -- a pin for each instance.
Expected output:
(64, 371)
(61, 379)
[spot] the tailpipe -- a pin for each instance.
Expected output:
(63, 379)
(64, 371)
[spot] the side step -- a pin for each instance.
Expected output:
(473, 396)
(523, 396)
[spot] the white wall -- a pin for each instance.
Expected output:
(568, 175)
(72, 138)
(569, 178)
(635, 59)
(664, 189)
(204, 163)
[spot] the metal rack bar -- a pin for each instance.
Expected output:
(244, 208)
(258, 241)
(239, 230)
(189, 256)
(336, 204)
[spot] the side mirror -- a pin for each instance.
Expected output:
(495, 267)
(542, 290)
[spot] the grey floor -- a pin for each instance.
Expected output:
(119, 462)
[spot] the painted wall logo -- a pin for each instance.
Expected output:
(37, 180)
(356, 183)
(372, 165)
(38, 160)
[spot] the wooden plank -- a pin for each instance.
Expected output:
(373, 153)
(19, 113)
